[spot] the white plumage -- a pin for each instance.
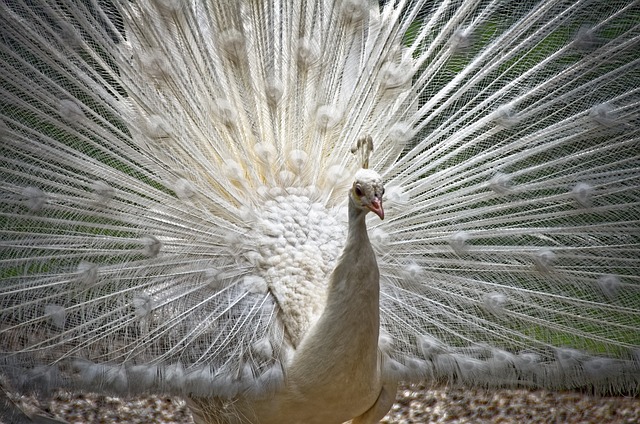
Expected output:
(176, 179)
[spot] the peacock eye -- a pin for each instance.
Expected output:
(358, 191)
(382, 192)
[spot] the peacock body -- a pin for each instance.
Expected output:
(176, 181)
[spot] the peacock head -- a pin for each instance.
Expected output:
(367, 192)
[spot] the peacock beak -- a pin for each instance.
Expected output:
(376, 207)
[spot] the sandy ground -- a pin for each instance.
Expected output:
(415, 404)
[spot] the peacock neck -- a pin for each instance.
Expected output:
(356, 281)
(357, 232)
(350, 318)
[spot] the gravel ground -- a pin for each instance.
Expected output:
(415, 404)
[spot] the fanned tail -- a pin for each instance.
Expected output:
(174, 176)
